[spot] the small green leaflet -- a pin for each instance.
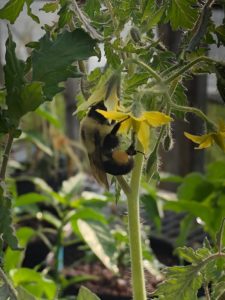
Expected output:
(21, 97)
(42, 286)
(52, 61)
(101, 242)
(182, 14)
(50, 7)
(13, 8)
(86, 294)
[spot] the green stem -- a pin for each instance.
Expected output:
(11, 289)
(194, 110)
(187, 67)
(6, 157)
(137, 270)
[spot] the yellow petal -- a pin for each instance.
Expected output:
(204, 141)
(143, 135)
(222, 126)
(125, 126)
(207, 141)
(155, 118)
(220, 140)
(113, 115)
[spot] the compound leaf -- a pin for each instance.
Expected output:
(182, 14)
(182, 283)
(52, 62)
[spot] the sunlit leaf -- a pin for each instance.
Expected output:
(101, 242)
(50, 7)
(13, 258)
(86, 294)
(11, 10)
(36, 283)
(30, 198)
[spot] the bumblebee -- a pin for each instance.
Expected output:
(101, 140)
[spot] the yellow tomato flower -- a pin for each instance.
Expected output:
(140, 124)
(207, 140)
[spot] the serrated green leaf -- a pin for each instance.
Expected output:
(181, 283)
(52, 62)
(50, 7)
(6, 230)
(14, 81)
(182, 14)
(86, 294)
(98, 238)
(191, 255)
(11, 10)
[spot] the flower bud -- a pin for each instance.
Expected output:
(135, 34)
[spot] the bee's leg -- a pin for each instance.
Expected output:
(131, 149)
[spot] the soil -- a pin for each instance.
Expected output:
(106, 284)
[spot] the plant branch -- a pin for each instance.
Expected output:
(6, 156)
(123, 184)
(188, 66)
(207, 293)
(11, 289)
(201, 26)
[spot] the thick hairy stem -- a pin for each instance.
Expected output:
(6, 157)
(138, 280)
(11, 289)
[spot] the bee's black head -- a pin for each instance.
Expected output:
(97, 116)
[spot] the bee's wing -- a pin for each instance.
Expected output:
(97, 169)
(96, 163)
